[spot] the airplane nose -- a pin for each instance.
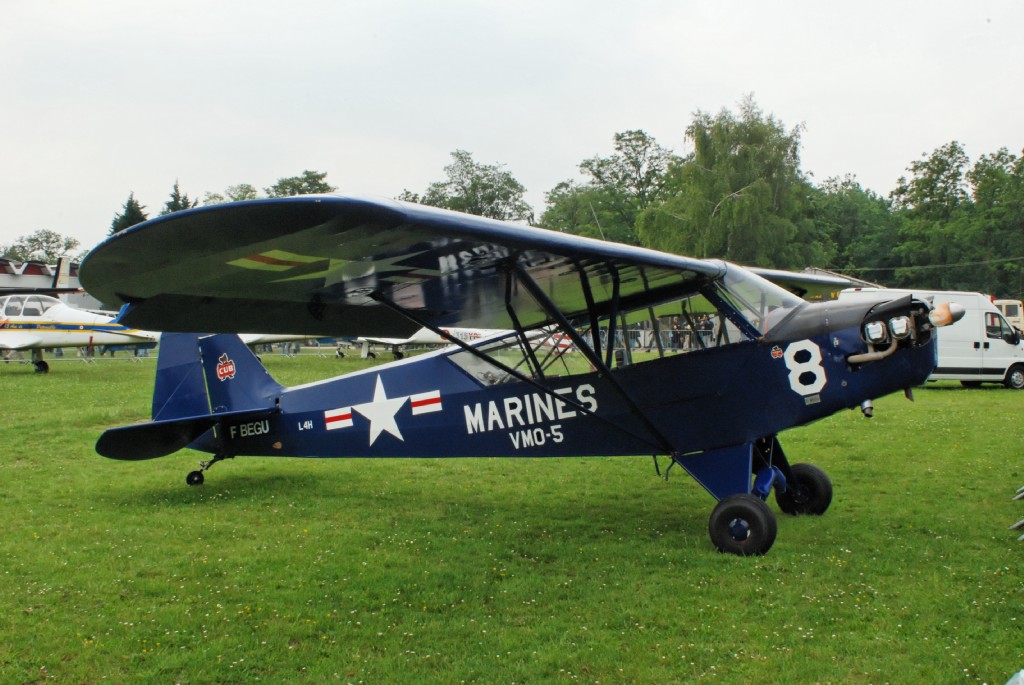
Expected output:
(946, 313)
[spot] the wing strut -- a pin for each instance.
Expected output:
(613, 316)
(552, 309)
(520, 332)
(595, 323)
(655, 325)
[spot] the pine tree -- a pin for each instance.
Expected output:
(178, 201)
(132, 213)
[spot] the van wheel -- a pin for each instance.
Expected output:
(1014, 377)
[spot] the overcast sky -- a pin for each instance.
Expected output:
(107, 97)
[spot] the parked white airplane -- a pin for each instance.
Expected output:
(425, 336)
(38, 322)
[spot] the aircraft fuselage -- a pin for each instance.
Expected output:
(433, 406)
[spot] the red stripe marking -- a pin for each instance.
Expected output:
(428, 401)
(273, 260)
(340, 417)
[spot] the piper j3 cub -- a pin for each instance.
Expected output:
(754, 358)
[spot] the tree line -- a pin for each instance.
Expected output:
(741, 195)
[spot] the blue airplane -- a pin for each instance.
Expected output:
(748, 358)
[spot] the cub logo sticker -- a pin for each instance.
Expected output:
(225, 368)
(777, 352)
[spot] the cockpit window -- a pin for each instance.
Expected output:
(28, 305)
(544, 355)
(36, 305)
(14, 305)
(739, 307)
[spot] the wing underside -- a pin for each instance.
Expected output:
(332, 265)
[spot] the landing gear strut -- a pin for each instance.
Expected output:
(196, 477)
(804, 488)
(39, 362)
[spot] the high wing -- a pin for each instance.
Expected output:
(336, 266)
(805, 284)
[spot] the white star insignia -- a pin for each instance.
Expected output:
(381, 413)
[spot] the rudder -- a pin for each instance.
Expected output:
(179, 390)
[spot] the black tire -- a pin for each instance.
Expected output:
(809, 491)
(195, 478)
(41, 367)
(742, 525)
(1014, 377)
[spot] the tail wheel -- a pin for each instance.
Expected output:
(742, 525)
(1014, 377)
(809, 491)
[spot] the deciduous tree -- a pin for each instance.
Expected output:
(41, 246)
(861, 227)
(308, 183)
(482, 189)
(616, 190)
(740, 195)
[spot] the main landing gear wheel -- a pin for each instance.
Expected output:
(809, 491)
(742, 525)
(41, 367)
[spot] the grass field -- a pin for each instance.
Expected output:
(501, 571)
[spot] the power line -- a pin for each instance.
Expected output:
(936, 266)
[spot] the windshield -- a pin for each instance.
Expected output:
(759, 301)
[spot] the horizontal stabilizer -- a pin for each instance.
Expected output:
(160, 438)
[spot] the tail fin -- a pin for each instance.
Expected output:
(199, 380)
(62, 274)
(179, 390)
(199, 375)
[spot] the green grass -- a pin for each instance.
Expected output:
(500, 571)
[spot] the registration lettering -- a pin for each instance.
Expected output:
(251, 429)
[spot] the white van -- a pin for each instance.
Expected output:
(980, 348)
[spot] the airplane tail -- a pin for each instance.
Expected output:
(199, 381)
